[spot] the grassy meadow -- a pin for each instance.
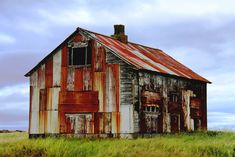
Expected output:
(202, 144)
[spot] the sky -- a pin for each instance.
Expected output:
(200, 34)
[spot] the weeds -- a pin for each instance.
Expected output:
(203, 144)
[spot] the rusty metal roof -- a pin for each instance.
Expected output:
(142, 57)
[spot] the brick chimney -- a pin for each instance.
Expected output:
(119, 33)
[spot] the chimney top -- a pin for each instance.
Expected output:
(119, 29)
(119, 33)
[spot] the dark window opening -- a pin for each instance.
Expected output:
(151, 108)
(174, 98)
(80, 56)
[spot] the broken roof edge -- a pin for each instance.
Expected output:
(113, 51)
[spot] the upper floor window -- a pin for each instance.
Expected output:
(80, 53)
(174, 97)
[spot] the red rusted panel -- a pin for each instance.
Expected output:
(175, 123)
(96, 123)
(43, 100)
(112, 93)
(117, 77)
(103, 122)
(195, 103)
(99, 59)
(79, 123)
(49, 73)
(99, 86)
(78, 38)
(78, 83)
(173, 107)
(39, 80)
(98, 74)
(64, 73)
(148, 97)
(71, 97)
(118, 121)
(87, 79)
(74, 108)
(62, 120)
(64, 56)
(112, 87)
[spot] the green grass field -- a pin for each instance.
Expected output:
(205, 144)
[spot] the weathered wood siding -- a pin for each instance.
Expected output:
(182, 105)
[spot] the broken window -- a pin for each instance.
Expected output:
(80, 54)
(151, 108)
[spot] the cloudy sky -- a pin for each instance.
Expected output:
(200, 34)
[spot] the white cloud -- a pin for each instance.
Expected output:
(6, 39)
(15, 89)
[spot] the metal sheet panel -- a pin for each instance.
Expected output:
(41, 77)
(42, 121)
(111, 89)
(79, 101)
(34, 79)
(52, 123)
(57, 69)
(87, 79)
(34, 122)
(98, 85)
(49, 73)
(55, 98)
(115, 122)
(78, 83)
(64, 56)
(99, 58)
(70, 79)
(126, 122)
(35, 99)
(80, 123)
(64, 73)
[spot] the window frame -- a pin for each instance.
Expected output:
(73, 45)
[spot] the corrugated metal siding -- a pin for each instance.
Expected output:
(57, 69)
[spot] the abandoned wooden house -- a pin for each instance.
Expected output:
(92, 84)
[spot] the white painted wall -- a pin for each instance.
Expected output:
(126, 116)
(57, 69)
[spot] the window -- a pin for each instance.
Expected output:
(174, 97)
(80, 54)
(151, 109)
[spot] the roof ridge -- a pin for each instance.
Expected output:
(120, 41)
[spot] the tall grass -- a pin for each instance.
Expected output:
(204, 144)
